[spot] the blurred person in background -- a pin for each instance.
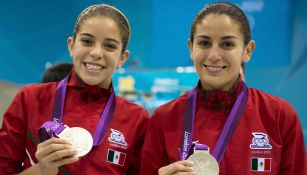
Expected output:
(57, 72)
(7, 92)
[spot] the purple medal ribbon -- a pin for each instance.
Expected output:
(199, 146)
(228, 129)
(188, 126)
(50, 129)
(54, 127)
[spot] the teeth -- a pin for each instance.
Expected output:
(93, 68)
(214, 68)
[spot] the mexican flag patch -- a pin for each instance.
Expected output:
(116, 157)
(261, 164)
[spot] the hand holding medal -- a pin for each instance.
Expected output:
(52, 154)
(184, 166)
(80, 139)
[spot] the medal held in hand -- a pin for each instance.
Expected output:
(80, 139)
(204, 163)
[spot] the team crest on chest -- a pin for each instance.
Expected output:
(117, 137)
(260, 141)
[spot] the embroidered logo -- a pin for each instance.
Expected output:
(261, 164)
(260, 141)
(117, 137)
(116, 157)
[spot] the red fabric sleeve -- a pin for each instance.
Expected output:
(294, 158)
(153, 153)
(140, 137)
(12, 136)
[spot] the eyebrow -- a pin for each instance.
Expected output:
(229, 37)
(223, 38)
(92, 36)
(87, 34)
(113, 40)
(203, 37)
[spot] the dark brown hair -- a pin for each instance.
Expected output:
(225, 8)
(105, 11)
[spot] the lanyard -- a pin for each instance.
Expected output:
(105, 118)
(228, 129)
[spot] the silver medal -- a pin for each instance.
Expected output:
(80, 139)
(204, 164)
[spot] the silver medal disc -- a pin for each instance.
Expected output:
(80, 139)
(204, 164)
